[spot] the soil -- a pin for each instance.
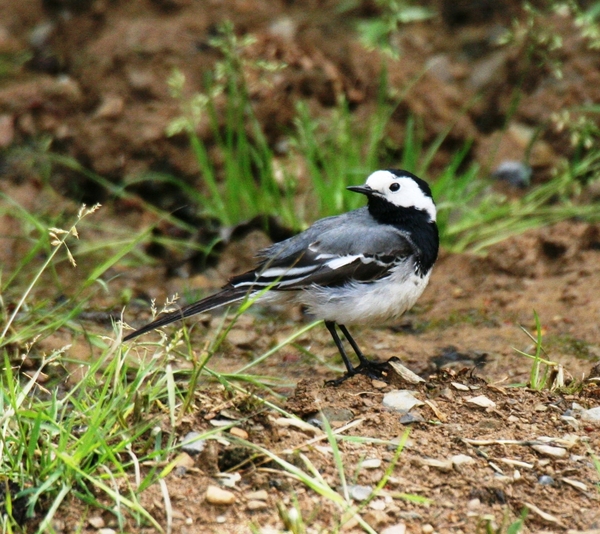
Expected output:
(92, 79)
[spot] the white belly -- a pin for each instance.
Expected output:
(365, 303)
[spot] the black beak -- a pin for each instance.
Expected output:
(364, 189)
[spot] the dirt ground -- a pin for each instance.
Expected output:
(93, 80)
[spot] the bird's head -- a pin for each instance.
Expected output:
(400, 188)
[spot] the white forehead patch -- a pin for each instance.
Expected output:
(409, 195)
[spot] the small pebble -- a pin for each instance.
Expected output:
(571, 421)
(377, 504)
(221, 519)
(96, 521)
(337, 414)
(359, 493)
(400, 528)
(473, 504)
(546, 480)
(401, 400)
(461, 459)
(442, 465)
(371, 463)
(107, 531)
(256, 505)
(238, 432)
(378, 384)
(575, 483)
(548, 450)
(316, 421)
(592, 415)
(427, 529)
(216, 495)
(515, 173)
(482, 401)
(409, 418)
(192, 444)
(260, 495)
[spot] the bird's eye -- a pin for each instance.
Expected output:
(394, 187)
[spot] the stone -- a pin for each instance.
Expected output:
(371, 463)
(192, 444)
(218, 496)
(359, 493)
(592, 415)
(238, 432)
(549, 450)
(96, 522)
(482, 401)
(399, 528)
(401, 400)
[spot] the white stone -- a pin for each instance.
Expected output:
(371, 463)
(400, 400)
(592, 415)
(482, 401)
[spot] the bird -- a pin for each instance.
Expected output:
(361, 267)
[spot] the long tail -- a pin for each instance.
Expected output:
(223, 298)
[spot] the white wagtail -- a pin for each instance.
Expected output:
(364, 266)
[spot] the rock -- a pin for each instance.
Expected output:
(404, 372)
(482, 401)
(377, 505)
(473, 504)
(549, 450)
(514, 173)
(96, 522)
(256, 505)
(337, 414)
(399, 528)
(409, 418)
(461, 459)
(260, 495)
(192, 444)
(442, 465)
(546, 480)
(592, 415)
(371, 463)
(238, 432)
(218, 496)
(575, 483)
(401, 400)
(183, 461)
(359, 493)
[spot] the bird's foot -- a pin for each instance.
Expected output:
(370, 368)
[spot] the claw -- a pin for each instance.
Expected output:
(370, 368)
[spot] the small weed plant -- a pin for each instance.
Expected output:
(544, 373)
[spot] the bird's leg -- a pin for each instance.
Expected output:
(338, 343)
(362, 358)
(370, 368)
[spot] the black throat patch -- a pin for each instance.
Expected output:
(416, 223)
